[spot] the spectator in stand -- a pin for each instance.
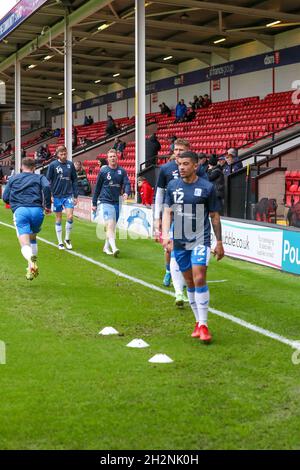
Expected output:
(180, 111)
(102, 162)
(43, 153)
(111, 127)
(84, 188)
(1, 174)
(4, 147)
(56, 132)
(36, 157)
(12, 172)
(74, 137)
(195, 104)
(119, 146)
(203, 163)
(164, 109)
(216, 177)
(200, 101)
(206, 101)
(46, 133)
(90, 120)
(190, 116)
(23, 153)
(222, 162)
(84, 141)
(86, 121)
(173, 138)
(146, 191)
(232, 162)
(152, 148)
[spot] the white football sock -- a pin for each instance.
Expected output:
(34, 247)
(177, 277)
(58, 229)
(191, 297)
(26, 252)
(69, 226)
(202, 301)
(112, 243)
(106, 245)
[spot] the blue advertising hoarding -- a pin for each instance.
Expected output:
(17, 15)
(291, 252)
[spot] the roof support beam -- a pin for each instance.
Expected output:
(187, 27)
(87, 9)
(58, 84)
(158, 51)
(99, 58)
(156, 43)
(40, 74)
(238, 10)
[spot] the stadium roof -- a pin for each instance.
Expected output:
(103, 42)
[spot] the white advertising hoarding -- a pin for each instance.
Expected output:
(134, 218)
(250, 242)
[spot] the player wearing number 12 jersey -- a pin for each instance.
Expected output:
(190, 201)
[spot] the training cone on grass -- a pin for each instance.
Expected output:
(160, 359)
(138, 343)
(108, 330)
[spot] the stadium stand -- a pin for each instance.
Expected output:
(237, 123)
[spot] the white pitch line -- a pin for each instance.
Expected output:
(257, 329)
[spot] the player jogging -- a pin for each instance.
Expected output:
(27, 193)
(191, 200)
(112, 184)
(168, 172)
(63, 181)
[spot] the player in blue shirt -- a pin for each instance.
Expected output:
(63, 181)
(112, 186)
(190, 201)
(168, 172)
(27, 193)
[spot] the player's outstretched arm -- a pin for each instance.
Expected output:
(216, 223)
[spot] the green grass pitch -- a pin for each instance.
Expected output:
(65, 387)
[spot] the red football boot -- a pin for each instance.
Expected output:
(204, 334)
(196, 332)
